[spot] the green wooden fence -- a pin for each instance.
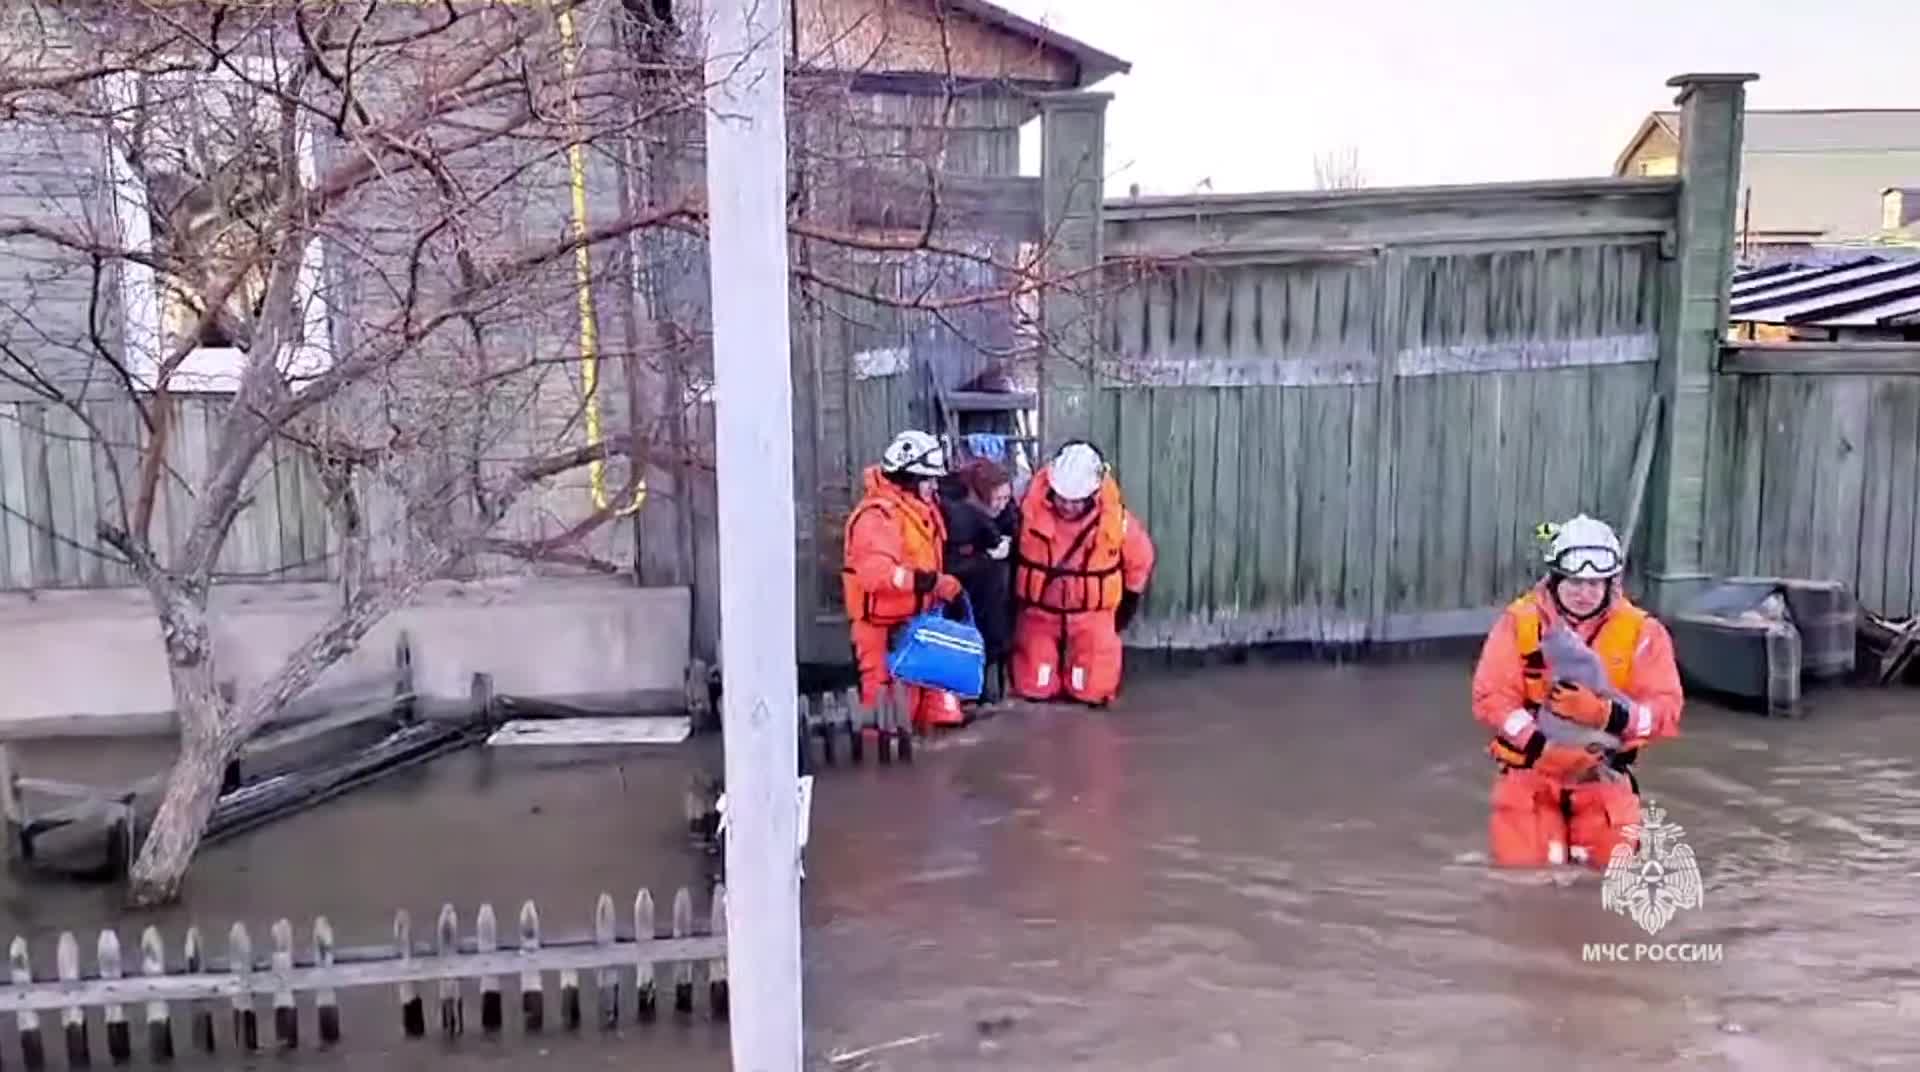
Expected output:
(1333, 439)
(1816, 468)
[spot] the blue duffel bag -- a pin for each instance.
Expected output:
(936, 652)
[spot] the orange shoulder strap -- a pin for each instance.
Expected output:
(1526, 624)
(1619, 641)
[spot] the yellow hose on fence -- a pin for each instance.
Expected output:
(583, 279)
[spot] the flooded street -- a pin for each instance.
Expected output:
(1286, 864)
(1247, 867)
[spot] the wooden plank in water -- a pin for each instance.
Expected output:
(446, 944)
(533, 987)
(644, 931)
(119, 1036)
(73, 1013)
(286, 1013)
(606, 985)
(325, 1001)
(246, 1024)
(591, 731)
(20, 971)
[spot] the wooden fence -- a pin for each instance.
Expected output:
(1342, 416)
(624, 966)
(1816, 468)
(59, 479)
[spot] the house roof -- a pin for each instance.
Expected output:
(1094, 63)
(1865, 291)
(1805, 130)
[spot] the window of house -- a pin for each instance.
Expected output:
(197, 160)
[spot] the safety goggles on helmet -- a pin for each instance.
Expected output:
(1586, 562)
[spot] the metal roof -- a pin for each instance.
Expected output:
(1866, 291)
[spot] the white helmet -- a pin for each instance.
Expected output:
(1585, 549)
(1076, 471)
(915, 452)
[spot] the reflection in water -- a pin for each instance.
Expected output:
(1287, 864)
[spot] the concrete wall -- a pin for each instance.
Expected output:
(96, 655)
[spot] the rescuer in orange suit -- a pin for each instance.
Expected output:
(895, 541)
(1553, 801)
(1080, 564)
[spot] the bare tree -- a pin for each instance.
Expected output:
(357, 224)
(1338, 170)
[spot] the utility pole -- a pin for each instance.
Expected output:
(753, 440)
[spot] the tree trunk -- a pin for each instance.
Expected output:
(206, 747)
(192, 789)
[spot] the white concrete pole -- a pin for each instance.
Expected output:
(753, 433)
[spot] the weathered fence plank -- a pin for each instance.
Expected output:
(107, 958)
(33, 1051)
(1814, 475)
(326, 1001)
(533, 993)
(246, 1022)
(286, 1014)
(1486, 389)
(73, 1018)
(240, 979)
(153, 965)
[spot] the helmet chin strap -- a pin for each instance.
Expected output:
(1553, 589)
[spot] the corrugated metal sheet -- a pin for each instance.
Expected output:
(1864, 292)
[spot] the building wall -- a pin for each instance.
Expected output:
(1657, 156)
(71, 446)
(895, 36)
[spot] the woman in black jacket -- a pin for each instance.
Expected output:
(981, 524)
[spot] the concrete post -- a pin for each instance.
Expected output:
(753, 441)
(1692, 324)
(1073, 130)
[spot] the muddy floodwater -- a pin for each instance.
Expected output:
(1283, 867)
(1256, 867)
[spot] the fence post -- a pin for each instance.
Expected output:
(74, 1017)
(32, 1050)
(153, 964)
(1073, 192)
(1693, 321)
(644, 931)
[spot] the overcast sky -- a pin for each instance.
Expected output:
(1245, 92)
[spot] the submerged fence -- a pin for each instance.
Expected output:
(193, 985)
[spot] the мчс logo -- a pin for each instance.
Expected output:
(1654, 880)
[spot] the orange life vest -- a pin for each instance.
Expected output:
(1070, 566)
(1616, 643)
(923, 533)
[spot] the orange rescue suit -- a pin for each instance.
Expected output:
(1068, 579)
(1538, 819)
(892, 537)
